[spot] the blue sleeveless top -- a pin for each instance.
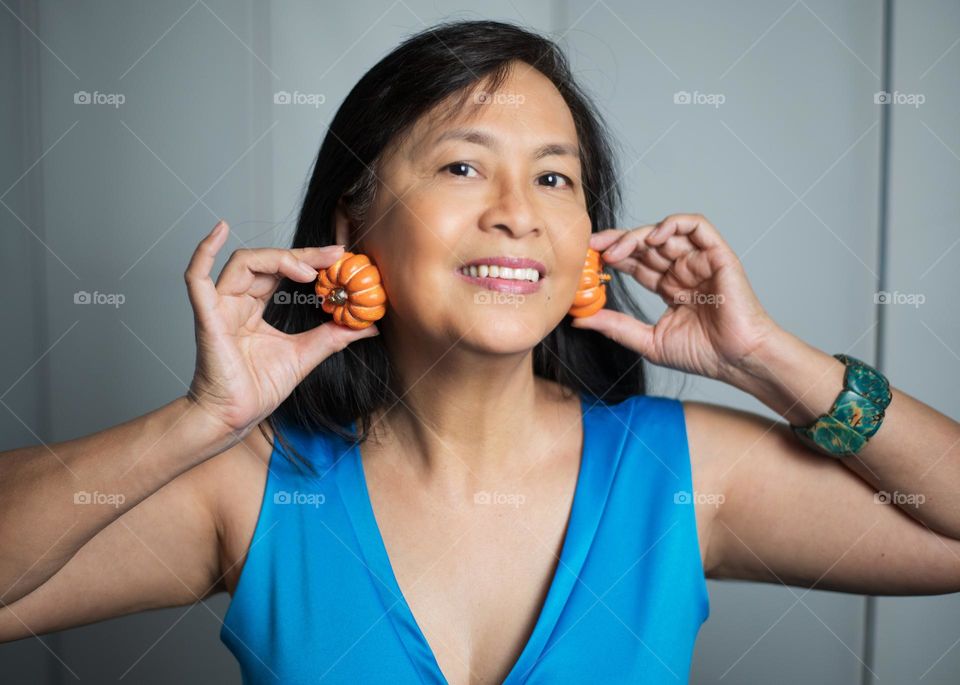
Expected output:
(317, 600)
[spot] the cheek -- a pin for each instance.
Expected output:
(414, 263)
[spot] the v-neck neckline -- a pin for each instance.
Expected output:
(594, 477)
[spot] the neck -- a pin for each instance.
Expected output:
(463, 417)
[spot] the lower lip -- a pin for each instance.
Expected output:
(501, 284)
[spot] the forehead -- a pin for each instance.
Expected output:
(525, 111)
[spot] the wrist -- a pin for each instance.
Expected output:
(795, 379)
(208, 433)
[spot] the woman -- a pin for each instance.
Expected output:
(523, 511)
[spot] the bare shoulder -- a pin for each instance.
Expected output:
(713, 433)
(232, 483)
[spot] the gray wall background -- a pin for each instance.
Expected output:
(827, 197)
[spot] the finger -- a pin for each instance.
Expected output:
(695, 226)
(200, 288)
(317, 344)
(265, 285)
(601, 240)
(621, 328)
(675, 247)
(628, 244)
(247, 265)
(318, 257)
(647, 277)
(655, 260)
(643, 274)
(626, 265)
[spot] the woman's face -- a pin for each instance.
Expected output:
(501, 179)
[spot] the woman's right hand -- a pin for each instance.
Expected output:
(246, 367)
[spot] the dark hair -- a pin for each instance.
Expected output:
(429, 68)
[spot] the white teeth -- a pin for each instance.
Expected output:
(504, 272)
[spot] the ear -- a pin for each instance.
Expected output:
(342, 225)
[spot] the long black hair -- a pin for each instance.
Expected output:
(431, 67)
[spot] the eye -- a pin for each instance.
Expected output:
(459, 168)
(558, 180)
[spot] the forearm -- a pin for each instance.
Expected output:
(914, 457)
(55, 498)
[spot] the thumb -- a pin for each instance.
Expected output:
(317, 344)
(621, 328)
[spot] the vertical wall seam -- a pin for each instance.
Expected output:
(31, 148)
(883, 234)
(264, 87)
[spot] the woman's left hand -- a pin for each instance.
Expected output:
(713, 322)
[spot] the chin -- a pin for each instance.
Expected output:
(504, 334)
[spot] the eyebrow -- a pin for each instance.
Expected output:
(477, 137)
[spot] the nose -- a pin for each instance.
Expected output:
(512, 210)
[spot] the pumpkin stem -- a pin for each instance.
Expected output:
(338, 296)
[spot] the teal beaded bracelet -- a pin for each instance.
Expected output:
(856, 414)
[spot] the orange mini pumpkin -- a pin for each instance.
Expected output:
(351, 290)
(591, 293)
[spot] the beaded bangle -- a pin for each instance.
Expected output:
(856, 414)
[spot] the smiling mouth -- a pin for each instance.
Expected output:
(505, 273)
(503, 285)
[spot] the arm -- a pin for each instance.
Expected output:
(885, 521)
(790, 514)
(65, 494)
(161, 552)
